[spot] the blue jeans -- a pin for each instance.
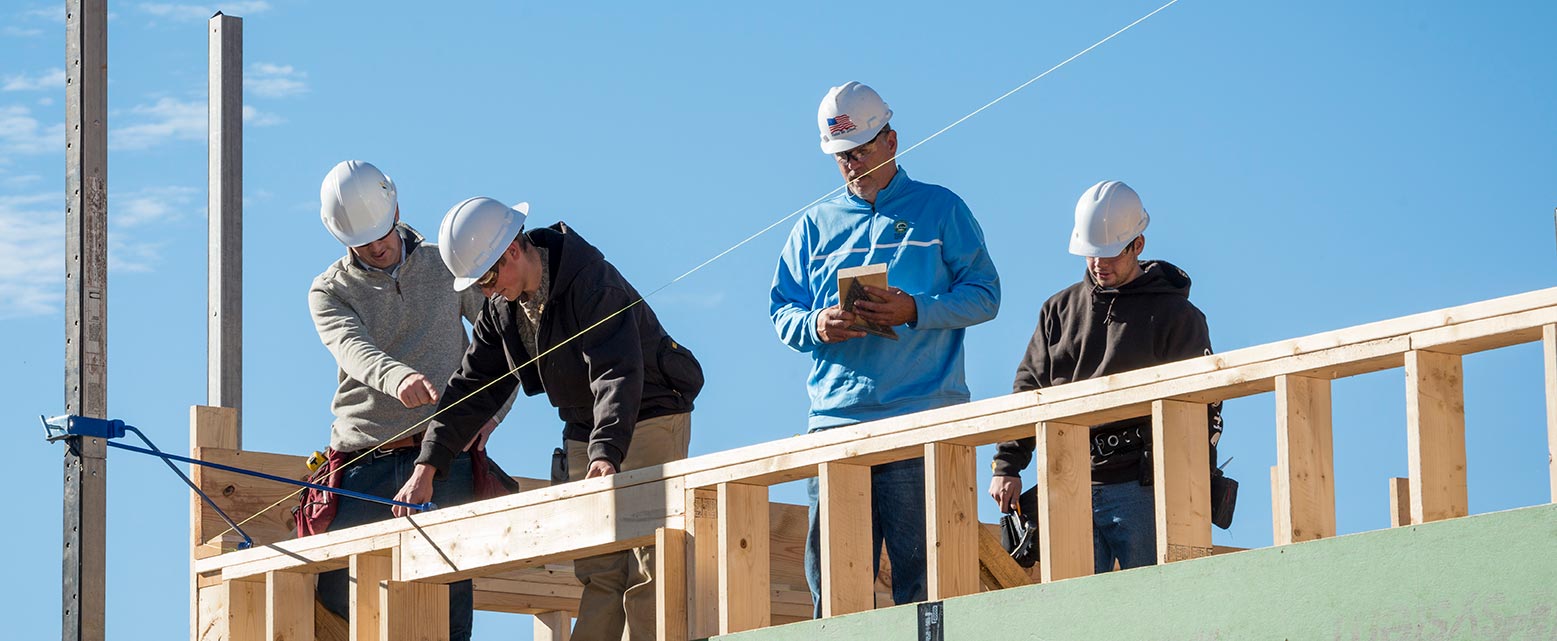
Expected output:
(1124, 526)
(382, 475)
(897, 516)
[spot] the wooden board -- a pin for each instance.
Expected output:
(1181, 473)
(245, 610)
(1435, 436)
(670, 581)
(1549, 357)
(997, 570)
(289, 606)
(951, 512)
(329, 626)
(565, 529)
(744, 602)
(1064, 515)
(848, 572)
(366, 572)
(703, 578)
(1399, 502)
(553, 626)
(414, 611)
(1305, 458)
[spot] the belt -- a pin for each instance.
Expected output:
(394, 447)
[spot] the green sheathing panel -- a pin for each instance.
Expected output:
(1482, 578)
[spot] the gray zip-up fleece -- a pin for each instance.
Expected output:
(381, 330)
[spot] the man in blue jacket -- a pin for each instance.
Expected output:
(942, 281)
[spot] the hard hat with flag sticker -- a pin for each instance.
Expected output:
(850, 116)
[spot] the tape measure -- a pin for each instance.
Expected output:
(315, 461)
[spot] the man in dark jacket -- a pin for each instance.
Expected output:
(577, 330)
(1125, 314)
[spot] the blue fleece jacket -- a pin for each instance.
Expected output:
(934, 250)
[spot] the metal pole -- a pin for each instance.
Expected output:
(224, 215)
(86, 313)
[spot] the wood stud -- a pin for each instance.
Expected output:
(743, 558)
(1181, 474)
(289, 606)
(848, 556)
(1549, 358)
(951, 510)
(1304, 460)
(670, 584)
(1064, 516)
(1435, 436)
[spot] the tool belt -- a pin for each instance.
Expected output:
(316, 508)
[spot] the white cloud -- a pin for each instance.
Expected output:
(274, 81)
(192, 12)
(51, 79)
(170, 119)
(18, 182)
(21, 133)
(55, 13)
(32, 242)
(32, 245)
(164, 120)
(256, 118)
(45, 101)
(151, 205)
(19, 32)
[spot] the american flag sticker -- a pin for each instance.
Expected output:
(840, 125)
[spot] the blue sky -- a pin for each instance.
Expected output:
(1312, 166)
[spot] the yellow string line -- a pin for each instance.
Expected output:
(742, 243)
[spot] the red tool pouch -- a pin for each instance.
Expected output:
(316, 508)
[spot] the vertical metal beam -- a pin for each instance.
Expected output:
(86, 313)
(224, 216)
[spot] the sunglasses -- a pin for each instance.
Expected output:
(858, 153)
(490, 277)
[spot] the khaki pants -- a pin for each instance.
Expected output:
(618, 600)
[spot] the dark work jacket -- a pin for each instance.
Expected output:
(602, 383)
(1086, 331)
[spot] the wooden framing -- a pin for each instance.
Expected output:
(289, 606)
(413, 611)
(728, 572)
(1435, 436)
(1181, 475)
(670, 579)
(703, 579)
(367, 571)
(553, 626)
(1549, 358)
(245, 610)
(1064, 501)
(743, 558)
(1399, 502)
(848, 571)
(1305, 481)
(951, 512)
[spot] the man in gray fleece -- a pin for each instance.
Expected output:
(390, 316)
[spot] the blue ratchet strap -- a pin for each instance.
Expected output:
(65, 426)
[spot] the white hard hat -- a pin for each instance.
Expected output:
(474, 234)
(1108, 216)
(357, 203)
(850, 116)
